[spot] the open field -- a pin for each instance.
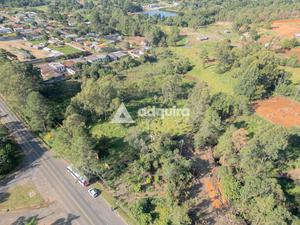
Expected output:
(286, 28)
(214, 32)
(217, 82)
(23, 196)
(279, 110)
(65, 49)
(15, 45)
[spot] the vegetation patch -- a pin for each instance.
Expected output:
(65, 49)
(23, 196)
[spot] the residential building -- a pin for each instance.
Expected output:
(5, 30)
(48, 73)
(58, 67)
(117, 55)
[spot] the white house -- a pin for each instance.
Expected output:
(58, 67)
(5, 30)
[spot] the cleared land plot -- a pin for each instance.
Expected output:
(215, 32)
(217, 82)
(286, 28)
(15, 45)
(292, 52)
(65, 49)
(23, 196)
(279, 110)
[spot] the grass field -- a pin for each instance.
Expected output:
(295, 74)
(43, 8)
(36, 42)
(217, 82)
(66, 49)
(21, 197)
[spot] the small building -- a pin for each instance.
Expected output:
(136, 53)
(97, 58)
(91, 34)
(18, 29)
(49, 74)
(117, 55)
(79, 40)
(58, 67)
(31, 14)
(227, 31)
(297, 35)
(113, 37)
(39, 46)
(5, 30)
(73, 70)
(72, 36)
(202, 38)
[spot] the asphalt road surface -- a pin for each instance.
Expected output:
(72, 197)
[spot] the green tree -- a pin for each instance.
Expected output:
(209, 129)
(198, 102)
(171, 87)
(204, 57)
(173, 36)
(260, 76)
(225, 56)
(37, 112)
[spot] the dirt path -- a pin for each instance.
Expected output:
(205, 189)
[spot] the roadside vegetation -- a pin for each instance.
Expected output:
(22, 196)
(9, 153)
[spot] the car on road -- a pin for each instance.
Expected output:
(94, 192)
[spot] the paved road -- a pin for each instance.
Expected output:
(72, 197)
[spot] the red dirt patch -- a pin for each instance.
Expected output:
(212, 192)
(294, 174)
(279, 110)
(294, 51)
(286, 28)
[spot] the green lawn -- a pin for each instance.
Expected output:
(36, 42)
(66, 49)
(170, 125)
(43, 8)
(295, 74)
(23, 196)
(217, 82)
(110, 130)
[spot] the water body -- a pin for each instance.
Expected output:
(162, 13)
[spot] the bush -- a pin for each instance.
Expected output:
(7, 158)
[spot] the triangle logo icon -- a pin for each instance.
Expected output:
(122, 115)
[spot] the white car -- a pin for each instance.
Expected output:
(94, 192)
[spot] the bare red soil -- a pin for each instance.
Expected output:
(286, 28)
(279, 110)
(294, 51)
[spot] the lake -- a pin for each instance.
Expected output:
(160, 12)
